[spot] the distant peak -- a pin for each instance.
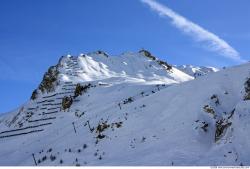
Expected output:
(147, 54)
(99, 52)
(196, 71)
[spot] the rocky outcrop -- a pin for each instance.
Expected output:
(67, 102)
(247, 89)
(79, 90)
(49, 80)
(34, 95)
(147, 54)
(220, 128)
(165, 65)
(99, 52)
(209, 109)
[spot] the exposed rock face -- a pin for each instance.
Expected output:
(80, 89)
(146, 53)
(247, 89)
(67, 102)
(165, 65)
(220, 119)
(99, 52)
(49, 80)
(34, 95)
(209, 109)
(221, 127)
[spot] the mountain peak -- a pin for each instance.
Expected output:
(134, 67)
(197, 71)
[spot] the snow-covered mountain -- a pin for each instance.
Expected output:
(197, 71)
(132, 109)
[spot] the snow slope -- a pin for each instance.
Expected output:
(134, 66)
(197, 71)
(131, 114)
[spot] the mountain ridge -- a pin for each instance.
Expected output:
(99, 110)
(197, 71)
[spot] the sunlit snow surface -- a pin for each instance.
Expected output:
(197, 71)
(160, 126)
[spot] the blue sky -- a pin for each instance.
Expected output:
(34, 34)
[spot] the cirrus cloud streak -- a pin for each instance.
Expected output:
(211, 41)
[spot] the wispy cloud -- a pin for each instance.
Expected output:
(211, 41)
